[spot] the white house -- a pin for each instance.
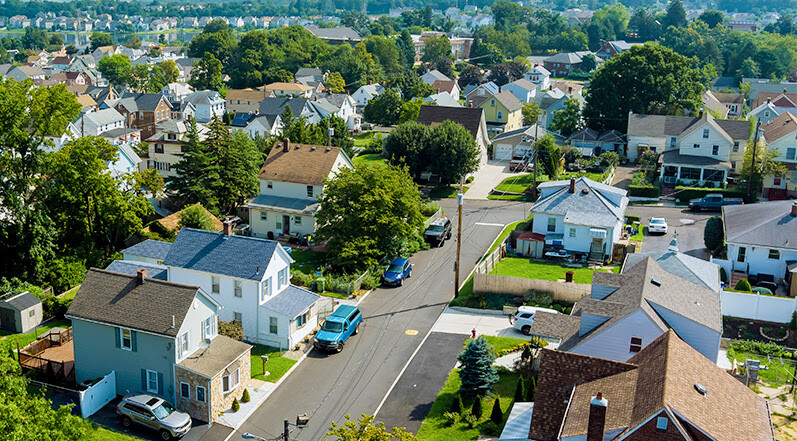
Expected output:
(540, 76)
(366, 93)
(250, 278)
(516, 144)
(580, 216)
(95, 123)
(291, 183)
(780, 134)
(433, 75)
(208, 103)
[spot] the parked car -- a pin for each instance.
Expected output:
(713, 202)
(154, 413)
(338, 327)
(657, 225)
(438, 231)
(398, 270)
(525, 316)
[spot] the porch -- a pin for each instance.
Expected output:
(51, 357)
(692, 170)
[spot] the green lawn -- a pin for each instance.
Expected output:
(535, 269)
(500, 343)
(103, 434)
(519, 184)
(639, 235)
(434, 428)
(276, 365)
(507, 197)
(333, 294)
(449, 191)
(307, 261)
(775, 374)
(363, 139)
(8, 339)
(370, 158)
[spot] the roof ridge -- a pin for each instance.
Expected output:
(149, 279)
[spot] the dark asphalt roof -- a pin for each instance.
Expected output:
(674, 157)
(768, 224)
(118, 299)
(153, 249)
(211, 361)
(234, 256)
(469, 117)
(669, 125)
(131, 267)
(698, 271)
(292, 301)
(21, 301)
(147, 102)
(275, 105)
(241, 119)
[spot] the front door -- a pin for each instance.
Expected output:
(597, 245)
(286, 224)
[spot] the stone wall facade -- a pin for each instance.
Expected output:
(220, 401)
(190, 405)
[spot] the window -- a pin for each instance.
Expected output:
(282, 278)
(266, 293)
(140, 115)
(272, 325)
(742, 254)
(207, 328)
(706, 133)
(185, 391)
(690, 173)
(263, 216)
(158, 148)
(776, 181)
(766, 113)
(183, 341)
(713, 175)
(696, 146)
(673, 140)
(309, 191)
(500, 114)
(774, 254)
(171, 136)
(297, 220)
(152, 381)
(794, 176)
(237, 288)
(492, 103)
(237, 317)
(636, 344)
(572, 232)
(551, 224)
(230, 382)
(736, 146)
(32, 313)
(126, 339)
(134, 117)
(791, 152)
(302, 319)
(214, 284)
(270, 184)
(661, 423)
(715, 150)
(200, 394)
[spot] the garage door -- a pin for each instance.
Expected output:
(503, 152)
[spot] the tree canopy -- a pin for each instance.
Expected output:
(477, 372)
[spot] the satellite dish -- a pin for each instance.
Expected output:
(204, 344)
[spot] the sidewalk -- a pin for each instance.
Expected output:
(458, 320)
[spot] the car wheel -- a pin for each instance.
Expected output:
(696, 208)
(400, 282)
(127, 422)
(357, 329)
(448, 236)
(165, 435)
(339, 347)
(526, 329)
(409, 273)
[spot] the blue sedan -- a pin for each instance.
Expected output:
(398, 270)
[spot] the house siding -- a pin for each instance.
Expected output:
(648, 431)
(757, 260)
(614, 342)
(660, 144)
(704, 340)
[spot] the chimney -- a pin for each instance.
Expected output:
(572, 188)
(141, 274)
(769, 99)
(286, 145)
(499, 89)
(794, 209)
(470, 104)
(569, 90)
(227, 227)
(597, 418)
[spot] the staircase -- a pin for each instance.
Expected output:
(736, 276)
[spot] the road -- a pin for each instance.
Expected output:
(328, 387)
(687, 224)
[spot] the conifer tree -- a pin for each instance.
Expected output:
(477, 373)
(497, 416)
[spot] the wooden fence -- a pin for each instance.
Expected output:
(489, 261)
(484, 283)
(60, 372)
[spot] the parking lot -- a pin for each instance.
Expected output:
(687, 225)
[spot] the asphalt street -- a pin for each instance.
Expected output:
(688, 225)
(329, 386)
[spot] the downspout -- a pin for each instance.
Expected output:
(207, 401)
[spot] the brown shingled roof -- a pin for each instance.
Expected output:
(302, 163)
(469, 117)
(779, 126)
(248, 94)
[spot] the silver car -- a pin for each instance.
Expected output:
(155, 413)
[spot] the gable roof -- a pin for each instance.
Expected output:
(444, 86)
(779, 126)
(435, 75)
(138, 102)
(523, 84)
(729, 98)
(565, 58)
(21, 301)
(119, 300)
(698, 271)
(587, 205)
(336, 33)
(309, 72)
(131, 267)
(204, 97)
(292, 301)
(767, 224)
(153, 249)
(469, 117)
(505, 97)
(301, 164)
(235, 256)
(275, 105)
(585, 134)
(664, 376)
(247, 94)
(670, 125)
(293, 87)
(104, 116)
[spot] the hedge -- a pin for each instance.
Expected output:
(685, 194)
(644, 191)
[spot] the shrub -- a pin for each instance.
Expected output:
(762, 290)
(743, 285)
(478, 373)
(470, 420)
(451, 418)
(532, 390)
(713, 234)
(245, 397)
(456, 404)
(469, 180)
(644, 191)
(684, 194)
(371, 281)
(167, 234)
(54, 307)
(757, 347)
(64, 274)
(429, 208)
(236, 406)
(520, 391)
(793, 322)
(476, 409)
(490, 428)
(232, 329)
(194, 216)
(723, 275)
(299, 278)
(538, 298)
(373, 146)
(497, 416)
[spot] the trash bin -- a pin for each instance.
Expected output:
(320, 284)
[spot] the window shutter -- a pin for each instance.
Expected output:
(143, 379)
(133, 340)
(117, 336)
(160, 383)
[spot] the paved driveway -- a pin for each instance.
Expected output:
(487, 178)
(688, 225)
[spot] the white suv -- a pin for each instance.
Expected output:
(525, 316)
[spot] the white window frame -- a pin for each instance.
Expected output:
(551, 224)
(183, 341)
(215, 285)
(188, 388)
(149, 380)
(237, 288)
(229, 386)
(572, 232)
(706, 133)
(310, 191)
(207, 327)
(297, 220)
(273, 325)
(122, 345)
(715, 150)
(264, 215)
(266, 292)
(236, 315)
(204, 396)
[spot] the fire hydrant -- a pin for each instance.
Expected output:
(473, 332)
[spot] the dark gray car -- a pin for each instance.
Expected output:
(438, 231)
(155, 413)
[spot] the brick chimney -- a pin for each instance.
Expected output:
(769, 99)
(470, 104)
(227, 229)
(286, 145)
(572, 188)
(597, 418)
(499, 89)
(141, 274)
(794, 209)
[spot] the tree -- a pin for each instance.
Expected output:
(567, 120)
(588, 63)
(169, 70)
(410, 110)
(453, 152)
(676, 15)
(384, 109)
(34, 38)
(520, 393)
(497, 416)
(713, 234)
(407, 146)
(194, 216)
(549, 156)
(477, 372)
(505, 73)
(99, 39)
(367, 213)
(133, 42)
(435, 49)
(206, 74)
(335, 83)
(70, 49)
(507, 14)
(712, 18)
(646, 24)
(470, 75)
(366, 430)
(647, 79)
(531, 111)
(215, 39)
(456, 404)
(116, 68)
(765, 165)
(748, 69)
(476, 408)
(407, 48)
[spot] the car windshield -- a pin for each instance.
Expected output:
(332, 326)
(394, 268)
(162, 411)
(436, 228)
(657, 221)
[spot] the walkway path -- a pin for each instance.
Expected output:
(487, 178)
(457, 320)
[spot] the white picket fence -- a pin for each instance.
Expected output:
(98, 395)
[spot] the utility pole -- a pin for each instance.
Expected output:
(286, 431)
(752, 164)
(459, 238)
(534, 155)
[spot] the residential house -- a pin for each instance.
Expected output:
(760, 241)
(165, 146)
(472, 118)
(87, 103)
(25, 72)
(366, 93)
(698, 271)
(208, 104)
(516, 144)
(502, 111)
(474, 90)
(771, 108)
(95, 123)
(612, 48)
(185, 66)
(310, 76)
(591, 142)
(523, 89)
(245, 100)
(740, 25)
(666, 391)
(149, 251)
(176, 92)
(694, 149)
(291, 183)
(341, 105)
(61, 63)
(250, 278)
(460, 47)
(443, 99)
(551, 101)
(765, 87)
(780, 135)
(144, 111)
(256, 125)
(540, 76)
(580, 216)
(450, 86)
(561, 64)
(289, 89)
(433, 75)
(337, 35)
(734, 102)
(159, 338)
(72, 78)
(274, 106)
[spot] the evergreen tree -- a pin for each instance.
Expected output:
(476, 409)
(520, 392)
(497, 416)
(531, 390)
(196, 173)
(477, 373)
(407, 48)
(456, 405)
(676, 15)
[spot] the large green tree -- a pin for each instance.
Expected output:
(99, 39)
(712, 18)
(384, 109)
(435, 49)
(116, 68)
(766, 164)
(206, 74)
(477, 372)
(453, 152)
(647, 79)
(676, 15)
(567, 120)
(407, 145)
(34, 38)
(368, 213)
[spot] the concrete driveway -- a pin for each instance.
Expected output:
(487, 178)
(688, 225)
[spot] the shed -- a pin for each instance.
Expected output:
(20, 312)
(530, 244)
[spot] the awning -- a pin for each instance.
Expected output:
(597, 232)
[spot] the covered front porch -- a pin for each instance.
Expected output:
(693, 170)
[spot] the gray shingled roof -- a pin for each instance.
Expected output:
(670, 125)
(675, 157)
(153, 249)
(22, 301)
(275, 105)
(204, 97)
(119, 300)
(234, 256)
(131, 267)
(767, 224)
(698, 271)
(469, 117)
(104, 116)
(590, 208)
(211, 361)
(337, 33)
(292, 301)
(135, 102)
(306, 206)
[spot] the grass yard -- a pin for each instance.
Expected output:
(363, 139)
(500, 343)
(8, 339)
(434, 426)
(640, 234)
(276, 365)
(307, 261)
(103, 434)
(508, 197)
(370, 158)
(535, 269)
(519, 184)
(777, 374)
(446, 191)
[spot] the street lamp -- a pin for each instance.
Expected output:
(301, 421)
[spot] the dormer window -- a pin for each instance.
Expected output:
(706, 133)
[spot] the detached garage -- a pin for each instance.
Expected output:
(20, 313)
